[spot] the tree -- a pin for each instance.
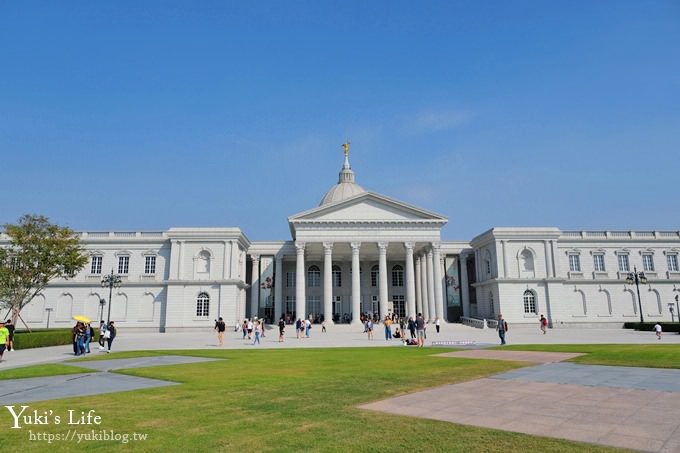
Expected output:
(36, 252)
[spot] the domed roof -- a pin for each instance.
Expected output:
(346, 187)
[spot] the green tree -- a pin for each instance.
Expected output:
(33, 253)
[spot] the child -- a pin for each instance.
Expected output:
(658, 330)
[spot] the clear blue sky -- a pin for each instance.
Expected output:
(128, 115)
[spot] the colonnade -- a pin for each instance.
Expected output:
(424, 290)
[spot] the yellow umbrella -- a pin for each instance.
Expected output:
(83, 319)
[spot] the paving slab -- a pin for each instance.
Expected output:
(618, 417)
(88, 384)
(519, 356)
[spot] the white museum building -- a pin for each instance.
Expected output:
(363, 252)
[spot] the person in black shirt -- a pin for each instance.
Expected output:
(282, 327)
(220, 327)
(10, 327)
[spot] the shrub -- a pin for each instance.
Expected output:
(649, 326)
(41, 338)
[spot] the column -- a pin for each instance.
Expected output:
(225, 262)
(410, 281)
(438, 288)
(382, 278)
(430, 287)
(548, 264)
(464, 285)
(423, 288)
(555, 263)
(180, 264)
(278, 288)
(328, 282)
(233, 270)
(254, 285)
(419, 285)
(505, 260)
(300, 297)
(356, 283)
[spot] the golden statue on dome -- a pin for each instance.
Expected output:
(345, 146)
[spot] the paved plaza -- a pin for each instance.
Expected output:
(637, 408)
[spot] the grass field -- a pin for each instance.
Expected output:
(296, 400)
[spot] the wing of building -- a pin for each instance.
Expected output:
(363, 252)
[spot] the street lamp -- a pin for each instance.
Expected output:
(48, 310)
(637, 278)
(102, 302)
(112, 280)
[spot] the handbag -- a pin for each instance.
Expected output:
(107, 334)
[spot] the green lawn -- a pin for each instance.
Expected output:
(51, 369)
(286, 400)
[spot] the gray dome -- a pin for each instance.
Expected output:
(345, 188)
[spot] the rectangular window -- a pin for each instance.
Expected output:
(314, 306)
(150, 264)
(574, 263)
(398, 305)
(374, 278)
(648, 262)
(96, 267)
(337, 278)
(397, 277)
(123, 264)
(598, 261)
(672, 263)
(624, 266)
(290, 279)
(290, 305)
(314, 278)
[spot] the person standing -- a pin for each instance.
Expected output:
(323, 326)
(250, 329)
(244, 328)
(4, 339)
(282, 328)
(544, 324)
(502, 328)
(111, 332)
(388, 328)
(88, 337)
(257, 333)
(420, 330)
(658, 330)
(10, 328)
(220, 327)
(308, 326)
(437, 323)
(102, 332)
(412, 327)
(369, 328)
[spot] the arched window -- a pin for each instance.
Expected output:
(397, 276)
(203, 305)
(337, 277)
(203, 262)
(374, 275)
(313, 277)
(527, 261)
(529, 302)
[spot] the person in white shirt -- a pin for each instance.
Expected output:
(658, 330)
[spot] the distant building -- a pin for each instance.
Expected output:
(186, 277)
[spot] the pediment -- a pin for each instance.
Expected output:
(367, 207)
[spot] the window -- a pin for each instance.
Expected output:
(375, 270)
(290, 279)
(203, 305)
(598, 262)
(314, 306)
(399, 306)
(290, 305)
(313, 277)
(624, 265)
(123, 264)
(648, 262)
(488, 267)
(96, 265)
(491, 309)
(574, 263)
(337, 277)
(150, 264)
(530, 301)
(672, 263)
(397, 276)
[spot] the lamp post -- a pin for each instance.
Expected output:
(111, 280)
(637, 278)
(102, 302)
(48, 310)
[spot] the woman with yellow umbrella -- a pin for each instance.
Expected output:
(80, 334)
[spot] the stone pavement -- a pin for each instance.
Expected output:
(637, 408)
(87, 384)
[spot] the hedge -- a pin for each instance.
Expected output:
(649, 326)
(41, 338)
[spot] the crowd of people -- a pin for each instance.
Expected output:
(83, 334)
